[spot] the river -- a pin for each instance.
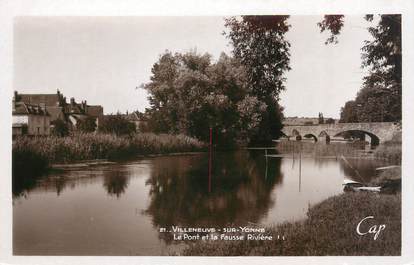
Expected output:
(119, 209)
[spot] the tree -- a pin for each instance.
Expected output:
(189, 94)
(259, 44)
(382, 58)
(320, 118)
(86, 125)
(334, 24)
(380, 96)
(349, 112)
(59, 128)
(117, 124)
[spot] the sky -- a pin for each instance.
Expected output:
(104, 60)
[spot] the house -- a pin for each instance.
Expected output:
(53, 102)
(137, 118)
(30, 119)
(76, 112)
(52, 105)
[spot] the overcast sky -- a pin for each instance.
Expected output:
(104, 59)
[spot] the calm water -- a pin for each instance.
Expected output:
(118, 209)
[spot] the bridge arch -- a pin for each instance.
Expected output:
(310, 135)
(296, 135)
(374, 138)
(324, 137)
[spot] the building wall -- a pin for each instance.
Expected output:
(20, 119)
(38, 125)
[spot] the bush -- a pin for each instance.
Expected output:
(117, 124)
(28, 158)
(87, 125)
(59, 128)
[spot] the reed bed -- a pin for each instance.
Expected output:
(38, 152)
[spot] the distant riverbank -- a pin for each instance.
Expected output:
(34, 155)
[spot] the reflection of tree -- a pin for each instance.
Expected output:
(115, 182)
(22, 185)
(240, 190)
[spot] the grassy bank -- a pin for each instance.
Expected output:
(326, 231)
(35, 154)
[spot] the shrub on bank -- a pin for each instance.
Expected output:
(98, 146)
(28, 159)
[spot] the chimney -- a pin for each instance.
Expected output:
(84, 106)
(72, 101)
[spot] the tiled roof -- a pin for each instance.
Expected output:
(56, 105)
(22, 108)
(47, 99)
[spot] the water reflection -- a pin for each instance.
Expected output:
(179, 193)
(118, 209)
(240, 191)
(115, 182)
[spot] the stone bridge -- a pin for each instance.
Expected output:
(377, 131)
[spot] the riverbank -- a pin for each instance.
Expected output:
(35, 155)
(391, 150)
(326, 231)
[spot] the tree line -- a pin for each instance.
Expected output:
(379, 99)
(238, 95)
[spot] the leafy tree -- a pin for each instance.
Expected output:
(334, 24)
(329, 121)
(59, 128)
(116, 124)
(86, 125)
(189, 94)
(381, 91)
(349, 112)
(380, 96)
(259, 44)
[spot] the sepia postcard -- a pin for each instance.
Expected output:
(222, 137)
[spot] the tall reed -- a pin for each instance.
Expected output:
(38, 152)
